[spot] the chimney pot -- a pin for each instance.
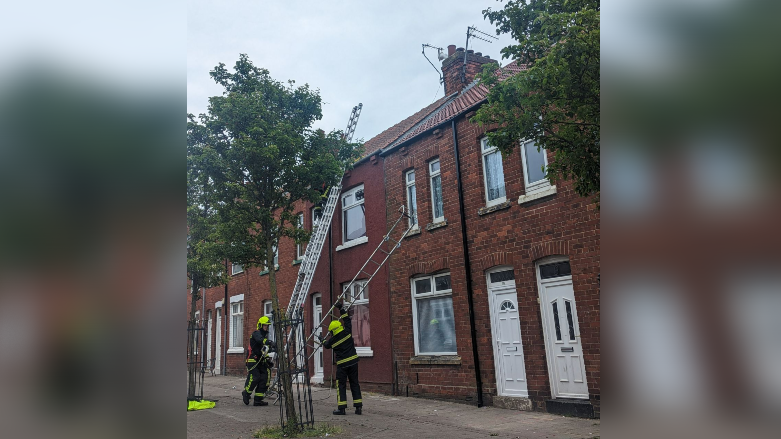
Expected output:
(451, 49)
(460, 49)
(479, 53)
(470, 51)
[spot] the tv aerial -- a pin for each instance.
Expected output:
(472, 32)
(440, 55)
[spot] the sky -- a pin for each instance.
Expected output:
(352, 51)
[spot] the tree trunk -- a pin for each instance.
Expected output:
(282, 359)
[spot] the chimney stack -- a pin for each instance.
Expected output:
(452, 68)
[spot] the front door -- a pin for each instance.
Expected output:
(506, 331)
(560, 325)
(218, 349)
(209, 340)
(317, 314)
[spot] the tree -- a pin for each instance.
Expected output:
(555, 101)
(263, 157)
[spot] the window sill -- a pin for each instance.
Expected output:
(414, 231)
(432, 226)
(364, 352)
(353, 243)
(550, 190)
(450, 360)
(265, 272)
(236, 350)
(488, 209)
(298, 261)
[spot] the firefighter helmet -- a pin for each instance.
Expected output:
(335, 325)
(263, 321)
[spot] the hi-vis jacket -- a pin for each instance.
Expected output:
(342, 343)
(255, 352)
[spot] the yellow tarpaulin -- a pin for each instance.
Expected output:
(200, 405)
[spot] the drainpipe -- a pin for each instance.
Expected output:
(468, 268)
(225, 329)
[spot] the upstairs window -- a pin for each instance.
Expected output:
(493, 174)
(412, 198)
(353, 214)
(300, 246)
(236, 269)
(534, 165)
(436, 191)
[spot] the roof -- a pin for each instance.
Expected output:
(388, 136)
(472, 95)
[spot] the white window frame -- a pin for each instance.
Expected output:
(235, 270)
(314, 216)
(236, 303)
(362, 351)
(195, 339)
(537, 186)
(268, 311)
(413, 222)
(431, 176)
(433, 293)
(276, 258)
(354, 205)
(300, 246)
(487, 149)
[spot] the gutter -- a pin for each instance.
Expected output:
(468, 268)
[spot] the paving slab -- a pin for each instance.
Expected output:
(383, 417)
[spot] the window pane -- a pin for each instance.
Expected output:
(410, 176)
(357, 291)
(436, 326)
(556, 320)
(359, 196)
(436, 183)
(569, 320)
(413, 203)
(502, 276)
(355, 223)
(442, 283)
(347, 200)
(557, 269)
(361, 325)
(534, 162)
(423, 286)
(494, 175)
(435, 166)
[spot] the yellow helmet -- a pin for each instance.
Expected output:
(263, 321)
(335, 326)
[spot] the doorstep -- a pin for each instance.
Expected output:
(513, 403)
(580, 408)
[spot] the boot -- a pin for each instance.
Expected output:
(245, 397)
(261, 403)
(340, 411)
(358, 410)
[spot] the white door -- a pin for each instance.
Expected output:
(218, 349)
(506, 331)
(317, 313)
(560, 325)
(209, 339)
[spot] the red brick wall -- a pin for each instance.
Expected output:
(518, 236)
(452, 65)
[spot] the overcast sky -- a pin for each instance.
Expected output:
(352, 51)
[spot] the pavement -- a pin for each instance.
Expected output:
(383, 417)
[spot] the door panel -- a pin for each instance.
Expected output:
(506, 331)
(562, 337)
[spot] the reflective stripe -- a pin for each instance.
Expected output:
(347, 359)
(341, 341)
(342, 403)
(249, 384)
(251, 360)
(355, 401)
(338, 402)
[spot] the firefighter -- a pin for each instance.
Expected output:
(258, 364)
(341, 341)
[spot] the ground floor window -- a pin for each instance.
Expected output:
(432, 312)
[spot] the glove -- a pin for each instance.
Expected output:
(320, 337)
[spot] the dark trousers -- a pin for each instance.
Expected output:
(343, 374)
(258, 378)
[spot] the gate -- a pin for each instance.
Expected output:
(196, 360)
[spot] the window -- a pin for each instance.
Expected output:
(360, 306)
(493, 174)
(196, 333)
(236, 269)
(317, 214)
(436, 191)
(432, 313)
(353, 214)
(237, 324)
(276, 259)
(299, 246)
(412, 199)
(268, 311)
(534, 164)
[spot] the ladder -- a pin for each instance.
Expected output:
(319, 232)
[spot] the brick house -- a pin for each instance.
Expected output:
(502, 245)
